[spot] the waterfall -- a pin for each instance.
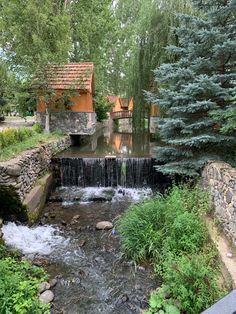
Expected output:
(127, 172)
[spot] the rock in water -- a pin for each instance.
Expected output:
(46, 297)
(53, 282)
(104, 225)
(44, 286)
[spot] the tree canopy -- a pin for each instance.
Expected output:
(197, 91)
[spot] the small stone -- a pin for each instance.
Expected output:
(104, 225)
(229, 254)
(137, 287)
(46, 215)
(64, 223)
(46, 297)
(53, 282)
(40, 262)
(43, 286)
(52, 216)
(82, 243)
(1, 222)
(141, 268)
(76, 217)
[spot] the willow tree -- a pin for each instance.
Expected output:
(146, 27)
(32, 36)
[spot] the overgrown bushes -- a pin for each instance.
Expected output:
(169, 230)
(16, 140)
(19, 286)
(13, 135)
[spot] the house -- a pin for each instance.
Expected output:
(69, 94)
(154, 113)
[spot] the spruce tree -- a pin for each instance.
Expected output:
(196, 93)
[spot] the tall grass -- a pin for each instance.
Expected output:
(170, 231)
(16, 140)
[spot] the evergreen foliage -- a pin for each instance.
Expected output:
(197, 90)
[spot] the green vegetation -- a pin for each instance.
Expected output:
(19, 286)
(170, 231)
(197, 91)
(14, 141)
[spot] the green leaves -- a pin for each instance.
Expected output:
(19, 288)
(169, 231)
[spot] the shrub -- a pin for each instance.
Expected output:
(19, 288)
(12, 136)
(37, 128)
(170, 231)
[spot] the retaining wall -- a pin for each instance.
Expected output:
(23, 172)
(220, 178)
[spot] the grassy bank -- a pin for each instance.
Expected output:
(19, 282)
(14, 141)
(170, 232)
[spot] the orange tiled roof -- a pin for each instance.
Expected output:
(112, 98)
(72, 76)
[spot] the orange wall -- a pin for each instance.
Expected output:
(154, 112)
(81, 103)
(117, 106)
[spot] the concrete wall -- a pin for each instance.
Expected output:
(24, 171)
(83, 123)
(220, 178)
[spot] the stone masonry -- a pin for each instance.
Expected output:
(69, 122)
(220, 178)
(22, 172)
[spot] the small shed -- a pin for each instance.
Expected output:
(70, 105)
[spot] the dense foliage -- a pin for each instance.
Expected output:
(13, 141)
(169, 231)
(19, 286)
(197, 91)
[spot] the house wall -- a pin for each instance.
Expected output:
(69, 122)
(83, 102)
(117, 106)
(154, 111)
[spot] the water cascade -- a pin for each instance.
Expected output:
(127, 172)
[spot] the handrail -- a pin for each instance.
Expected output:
(121, 114)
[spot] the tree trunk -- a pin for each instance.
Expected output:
(47, 121)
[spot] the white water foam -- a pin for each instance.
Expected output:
(42, 240)
(90, 194)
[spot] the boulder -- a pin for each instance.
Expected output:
(53, 282)
(104, 225)
(43, 286)
(46, 297)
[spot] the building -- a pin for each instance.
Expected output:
(68, 98)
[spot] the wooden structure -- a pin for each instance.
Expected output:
(122, 109)
(71, 106)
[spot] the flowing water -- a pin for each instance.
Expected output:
(93, 276)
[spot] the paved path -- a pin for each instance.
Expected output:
(15, 123)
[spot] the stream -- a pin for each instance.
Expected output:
(93, 276)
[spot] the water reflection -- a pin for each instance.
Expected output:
(113, 143)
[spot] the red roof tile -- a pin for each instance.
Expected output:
(112, 98)
(77, 76)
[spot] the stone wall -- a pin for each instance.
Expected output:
(22, 172)
(70, 122)
(220, 178)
